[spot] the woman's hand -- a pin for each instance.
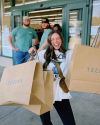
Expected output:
(32, 49)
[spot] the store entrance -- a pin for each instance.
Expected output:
(54, 16)
(72, 18)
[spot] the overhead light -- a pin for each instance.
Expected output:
(72, 19)
(48, 18)
(42, 0)
(34, 16)
(39, 11)
(56, 9)
(55, 18)
(45, 15)
(73, 16)
(51, 15)
(30, 2)
(7, 6)
(18, 4)
(74, 13)
(35, 19)
(58, 20)
(45, 10)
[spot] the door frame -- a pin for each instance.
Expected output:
(66, 5)
(75, 6)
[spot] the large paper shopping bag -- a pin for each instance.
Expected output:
(22, 84)
(42, 108)
(83, 73)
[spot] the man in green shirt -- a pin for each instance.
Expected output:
(43, 43)
(24, 35)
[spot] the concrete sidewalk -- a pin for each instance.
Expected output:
(86, 109)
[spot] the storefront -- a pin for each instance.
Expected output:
(79, 20)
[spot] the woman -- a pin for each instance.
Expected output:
(57, 27)
(47, 57)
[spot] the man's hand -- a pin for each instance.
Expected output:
(15, 49)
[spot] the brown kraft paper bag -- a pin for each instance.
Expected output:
(83, 73)
(48, 84)
(22, 84)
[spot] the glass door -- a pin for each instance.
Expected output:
(16, 19)
(75, 20)
(75, 28)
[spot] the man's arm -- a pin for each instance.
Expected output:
(10, 42)
(41, 48)
(44, 45)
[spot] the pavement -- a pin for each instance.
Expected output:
(85, 106)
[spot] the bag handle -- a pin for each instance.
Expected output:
(36, 55)
(28, 55)
(96, 37)
(62, 83)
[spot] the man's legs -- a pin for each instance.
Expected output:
(19, 55)
(65, 112)
(45, 118)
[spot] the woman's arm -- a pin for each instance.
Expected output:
(40, 49)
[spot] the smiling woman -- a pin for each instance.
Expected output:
(56, 41)
(61, 98)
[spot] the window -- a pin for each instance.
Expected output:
(95, 19)
(5, 49)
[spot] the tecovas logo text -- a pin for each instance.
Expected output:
(13, 82)
(93, 70)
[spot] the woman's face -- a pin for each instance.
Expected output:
(55, 28)
(56, 41)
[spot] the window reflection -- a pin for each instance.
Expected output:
(75, 28)
(95, 19)
(6, 29)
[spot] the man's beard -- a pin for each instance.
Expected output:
(27, 25)
(45, 27)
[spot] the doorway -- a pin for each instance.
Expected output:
(54, 16)
(73, 17)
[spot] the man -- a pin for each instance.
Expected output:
(43, 43)
(23, 43)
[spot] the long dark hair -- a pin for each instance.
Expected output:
(59, 28)
(50, 53)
